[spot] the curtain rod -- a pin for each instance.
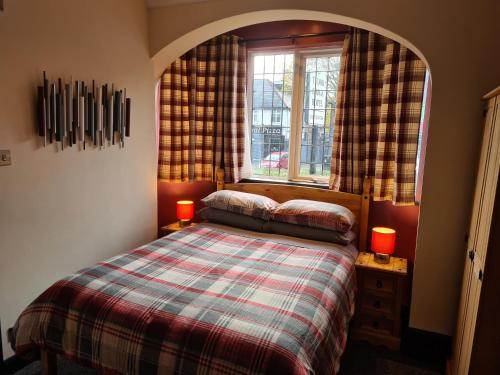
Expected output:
(299, 36)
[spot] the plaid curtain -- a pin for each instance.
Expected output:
(377, 121)
(203, 113)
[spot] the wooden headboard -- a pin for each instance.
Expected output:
(359, 204)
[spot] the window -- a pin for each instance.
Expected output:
(276, 117)
(292, 101)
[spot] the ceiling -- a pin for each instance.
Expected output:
(170, 3)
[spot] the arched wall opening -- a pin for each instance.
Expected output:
(403, 219)
(166, 54)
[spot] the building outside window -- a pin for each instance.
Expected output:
(293, 104)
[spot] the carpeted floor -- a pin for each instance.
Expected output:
(360, 358)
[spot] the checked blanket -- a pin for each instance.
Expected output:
(200, 301)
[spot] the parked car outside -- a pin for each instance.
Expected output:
(275, 160)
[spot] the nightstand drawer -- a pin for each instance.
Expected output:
(379, 282)
(383, 305)
(379, 300)
(376, 324)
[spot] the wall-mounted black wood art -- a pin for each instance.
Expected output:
(72, 113)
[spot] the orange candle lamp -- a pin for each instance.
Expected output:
(383, 243)
(185, 212)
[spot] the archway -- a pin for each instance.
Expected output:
(165, 55)
(171, 51)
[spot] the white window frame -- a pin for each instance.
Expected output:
(296, 111)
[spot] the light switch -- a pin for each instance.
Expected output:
(5, 158)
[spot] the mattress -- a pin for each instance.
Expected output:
(207, 299)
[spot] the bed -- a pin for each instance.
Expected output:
(208, 299)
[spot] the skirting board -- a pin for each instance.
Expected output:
(423, 345)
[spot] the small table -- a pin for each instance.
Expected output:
(174, 227)
(379, 300)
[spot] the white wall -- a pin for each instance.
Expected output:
(61, 211)
(458, 40)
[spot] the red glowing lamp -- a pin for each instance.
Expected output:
(185, 212)
(383, 242)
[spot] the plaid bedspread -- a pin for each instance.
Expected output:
(200, 301)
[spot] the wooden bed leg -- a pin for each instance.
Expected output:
(49, 362)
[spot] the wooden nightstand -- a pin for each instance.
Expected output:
(378, 304)
(174, 227)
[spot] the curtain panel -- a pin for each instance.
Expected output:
(377, 120)
(203, 113)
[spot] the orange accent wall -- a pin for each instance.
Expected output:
(170, 193)
(403, 219)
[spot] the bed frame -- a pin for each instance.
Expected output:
(359, 204)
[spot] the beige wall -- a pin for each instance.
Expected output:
(61, 211)
(457, 40)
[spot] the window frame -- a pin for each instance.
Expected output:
(297, 111)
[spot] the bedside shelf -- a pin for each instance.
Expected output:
(379, 300)
(174, 227)
(397, 265)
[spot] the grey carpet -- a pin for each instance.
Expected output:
(360, 358)
(386, 366)
(64, 367)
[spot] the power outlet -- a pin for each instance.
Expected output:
(5, 158)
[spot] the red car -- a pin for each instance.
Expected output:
(275, 160)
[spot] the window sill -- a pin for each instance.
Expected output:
(254, 180)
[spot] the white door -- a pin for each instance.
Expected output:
(484, 199)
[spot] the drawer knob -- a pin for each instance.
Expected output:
(376, 304)
(378, 284)
(375, 324)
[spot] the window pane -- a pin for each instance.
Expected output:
(331, 99)
(320, 99)
(310, 81)
(319, 119)
(278, 80)
(289, 63)
(257, 98)
(269, 64)
(279, 63)
(320, 90)
(266, 116)
(267, 97)
(322, 64)
(276, 116)
(321, 81)
(287, 99)
(287, 81)
(257, 117)
(272, 85)
(258, 66)
(333, 80)
(311, 64)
